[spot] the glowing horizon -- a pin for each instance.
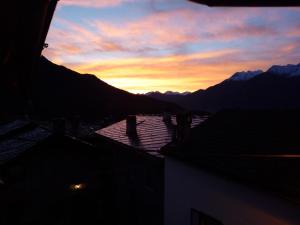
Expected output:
(170, 45)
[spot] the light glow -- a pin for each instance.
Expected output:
(77, 187)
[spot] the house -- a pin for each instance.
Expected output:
(49, 178)
(239, 192)
(239, 168)
(138, 165)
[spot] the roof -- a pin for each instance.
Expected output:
(259, 3)
(276, 175)
(152, 132)
(247, 132)
(7, 128)
(257, 148)
(19, 136)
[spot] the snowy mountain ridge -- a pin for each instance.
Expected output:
(288, 70)
(245, 75)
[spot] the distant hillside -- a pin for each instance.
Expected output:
(58, 91)
(277, 88)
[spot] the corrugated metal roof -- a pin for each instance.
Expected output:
(152, 132)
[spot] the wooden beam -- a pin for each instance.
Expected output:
(249, 3)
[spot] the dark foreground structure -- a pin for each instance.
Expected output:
(24, 27)
(47, 178)
(239, 167)
(50, 179)
(138, 165)
(236, 167)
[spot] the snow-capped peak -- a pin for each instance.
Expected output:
(245, 75)
(288, 70)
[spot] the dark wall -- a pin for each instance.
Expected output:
(24, 25)
(138, 186)
(38, 186)
(121, 185)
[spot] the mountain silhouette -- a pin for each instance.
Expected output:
(277, 88)
(169, 96)
(59, 91)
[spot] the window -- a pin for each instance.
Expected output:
(198, 218)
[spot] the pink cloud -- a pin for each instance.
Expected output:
(161, 29)
(91, 3)
(171, 30)
(73, 39)
(242, 31)
(97, 3)
(294, 31)
(179, 27)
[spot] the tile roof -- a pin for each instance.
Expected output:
(152, 132)
(19, 136)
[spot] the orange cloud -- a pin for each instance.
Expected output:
(175, 72)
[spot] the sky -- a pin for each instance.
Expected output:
(169, 45)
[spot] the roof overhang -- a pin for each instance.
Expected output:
(249, 3)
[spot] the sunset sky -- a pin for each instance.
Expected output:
(160, 45)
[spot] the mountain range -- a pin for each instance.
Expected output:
(59, 91)
(276, 88)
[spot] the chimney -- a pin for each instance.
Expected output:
(183, 131)
(167, 117)
(131, 125)
(59, 126)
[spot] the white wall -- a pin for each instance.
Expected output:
(188, 187)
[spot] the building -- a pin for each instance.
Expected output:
(238, 193)
(50, 178)
(239, 168)
(138, 165)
